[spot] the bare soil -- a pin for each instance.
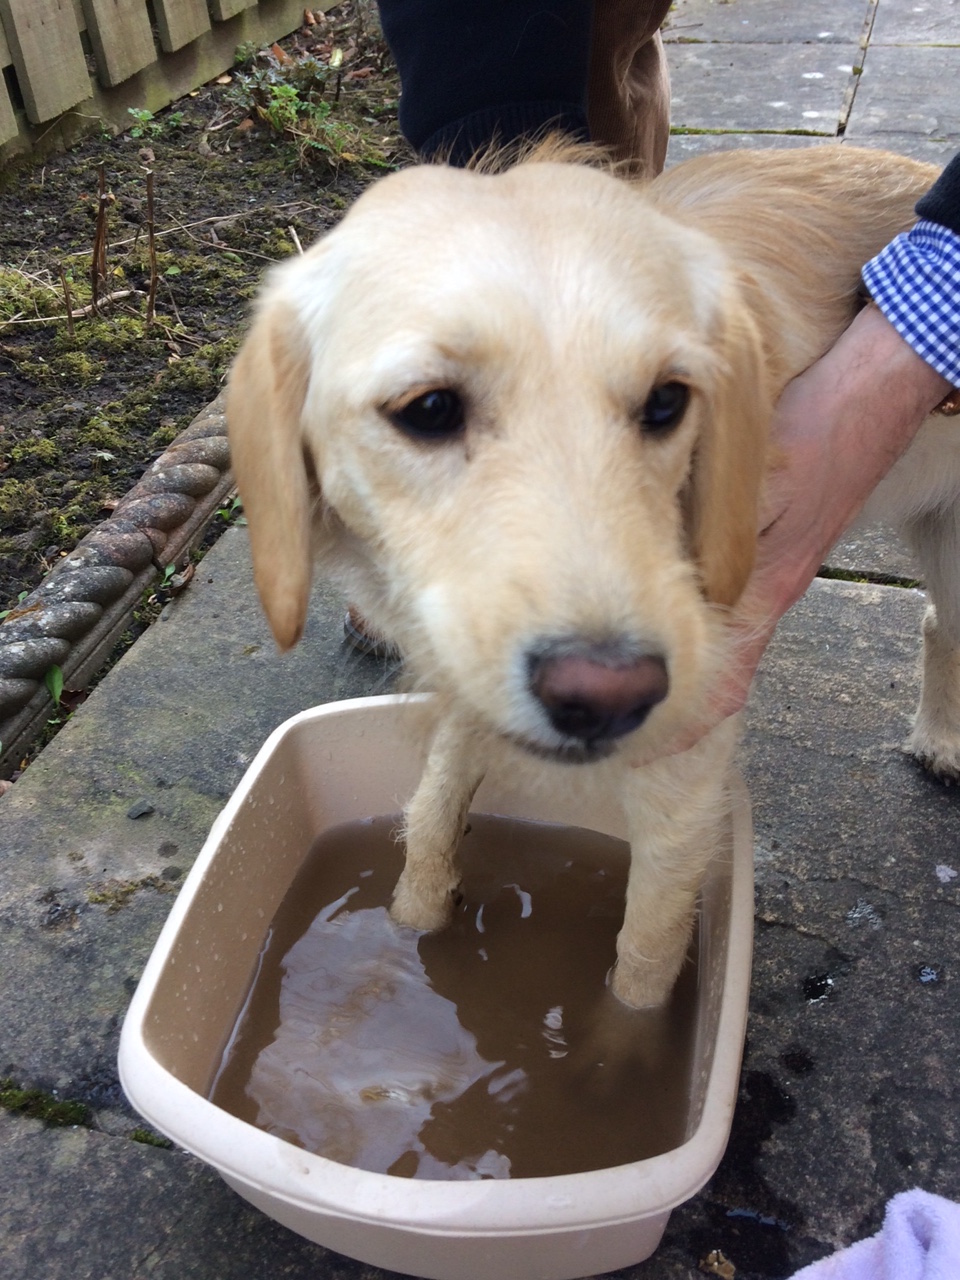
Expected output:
(85, 408)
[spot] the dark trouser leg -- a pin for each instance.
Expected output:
(476, 72)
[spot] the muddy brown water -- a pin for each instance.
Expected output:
(491, 1049)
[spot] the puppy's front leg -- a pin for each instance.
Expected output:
(675, 810)
(434, 821)
(935, 739)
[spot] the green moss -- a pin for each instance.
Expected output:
(22, 296)
(190, 375)
(150, 1139)
(102, 434)
(112, 332)
(63, 526)
(878, 579)
(42, 1106)
(203, 370)
(39, 371)
(114, 894)
(681, 131)
(279, 244)
(167, 433)
(18, 498)
(35, 450)
(79, 368)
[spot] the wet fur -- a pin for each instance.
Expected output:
(554, 296)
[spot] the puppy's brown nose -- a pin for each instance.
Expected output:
(593, 697)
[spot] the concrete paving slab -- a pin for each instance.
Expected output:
(916, 22)
(874, 553)
(78, 1205)
(936, 151)
(855, 852)
(901, 93)
(173, 729)
(848, 1092)
(767, 21)
(760, 86)
(684, 146)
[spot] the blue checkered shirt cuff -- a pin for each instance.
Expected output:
(915, 281)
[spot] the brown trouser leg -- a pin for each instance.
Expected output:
(628, 100)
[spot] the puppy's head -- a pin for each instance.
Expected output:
(523, 416)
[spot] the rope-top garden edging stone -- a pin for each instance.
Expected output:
(77, 614)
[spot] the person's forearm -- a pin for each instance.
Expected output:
(842, 424)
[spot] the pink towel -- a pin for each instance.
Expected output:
(919, 1240)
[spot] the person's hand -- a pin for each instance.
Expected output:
(838, 429)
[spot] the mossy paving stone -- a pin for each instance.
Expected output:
(84, 885)
(904, 22)
(901, 95)
(80, 1205)
(775, 87)
(767, 22)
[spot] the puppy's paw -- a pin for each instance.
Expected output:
(618, 1044)
(644, 984)
(939, 753)
(641, 986)
(418, 906)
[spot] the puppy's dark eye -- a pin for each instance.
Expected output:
(434, 415)
(664, 407)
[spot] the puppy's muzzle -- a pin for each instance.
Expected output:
(596, 692)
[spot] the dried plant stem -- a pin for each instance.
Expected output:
(151, 251)
(295, 238)
(71, 329)
(299, 206)
(118, 295)
(98, 265)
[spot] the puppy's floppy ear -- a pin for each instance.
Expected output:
(265, 398)
(729, 464)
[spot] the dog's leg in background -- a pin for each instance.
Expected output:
(675, 810)
(433, 827)
(935, 738)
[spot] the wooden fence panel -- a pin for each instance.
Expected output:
(47, 54)
(180, 21)
(122, 41)
(224, 9)
(8, 121)
(104, 54)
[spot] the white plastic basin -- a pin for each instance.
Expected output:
(356, 759)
